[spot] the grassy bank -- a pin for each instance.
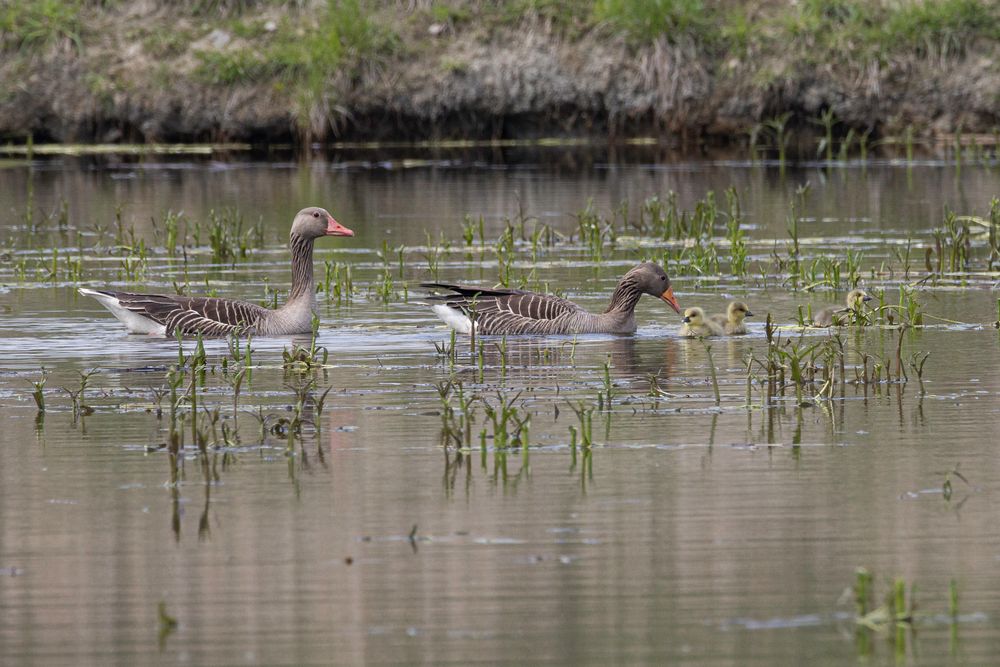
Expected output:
(688, 70)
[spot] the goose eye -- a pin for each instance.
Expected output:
(315, 214)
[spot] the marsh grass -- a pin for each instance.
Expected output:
(38, 391)
(585, 414)
(78, 396)
(510, 422)
(37, 25)
(301, 359)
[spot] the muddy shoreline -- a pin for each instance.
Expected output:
(523, 81)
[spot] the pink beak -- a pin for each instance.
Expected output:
(334, 228)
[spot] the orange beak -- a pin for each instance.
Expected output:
(668, 296)
(334, 228)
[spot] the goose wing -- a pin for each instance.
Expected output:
(192, 315)
(507, 310)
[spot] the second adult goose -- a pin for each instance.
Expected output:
(511, 312)
(162, 314)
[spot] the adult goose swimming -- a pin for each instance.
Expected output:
(512, 312)
(161, 314)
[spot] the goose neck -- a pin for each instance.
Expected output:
(625, 297)
(302, 268)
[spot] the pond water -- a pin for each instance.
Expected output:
(689, 531)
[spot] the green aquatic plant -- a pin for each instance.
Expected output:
(827, 121)
(792, 226)
(338, 282)
(302, 359)
(594, 231)
(776, 129)
(606, 396)
(584, 412)
(507, 419)
(844, 152)
(448, 349)
(38, 392)
(384, 288)
(78, 397)
(171, 227)
(235, 381)
(735, 236)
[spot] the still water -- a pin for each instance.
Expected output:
(688, 533)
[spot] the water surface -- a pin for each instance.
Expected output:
(690, 532)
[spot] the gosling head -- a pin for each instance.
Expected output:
(314, 222)
(857, 297)
(694, 316)
(737, 311)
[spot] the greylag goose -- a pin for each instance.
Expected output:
(732, 320)
(161, 314)
(696, 325)
(833, 316)
(511, 312)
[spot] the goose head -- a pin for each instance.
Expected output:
(314, 222)
(650, 278)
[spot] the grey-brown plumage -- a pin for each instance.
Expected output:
(210, 316)
(512, 312)
(833, 316)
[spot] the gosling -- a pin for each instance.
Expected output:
(732, 321)
(696, 325)
(838, 317)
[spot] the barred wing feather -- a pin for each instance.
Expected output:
(511, 311)
(192, 315)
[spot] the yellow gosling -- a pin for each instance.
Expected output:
(697, 325)
(838, 317)
(732, 321)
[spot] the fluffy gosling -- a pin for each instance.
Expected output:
(732, 320)
(838, 317)
(697, 325)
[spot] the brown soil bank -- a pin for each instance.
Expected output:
(688, 70)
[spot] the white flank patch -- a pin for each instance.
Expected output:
(455, 319)
(134, 322)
